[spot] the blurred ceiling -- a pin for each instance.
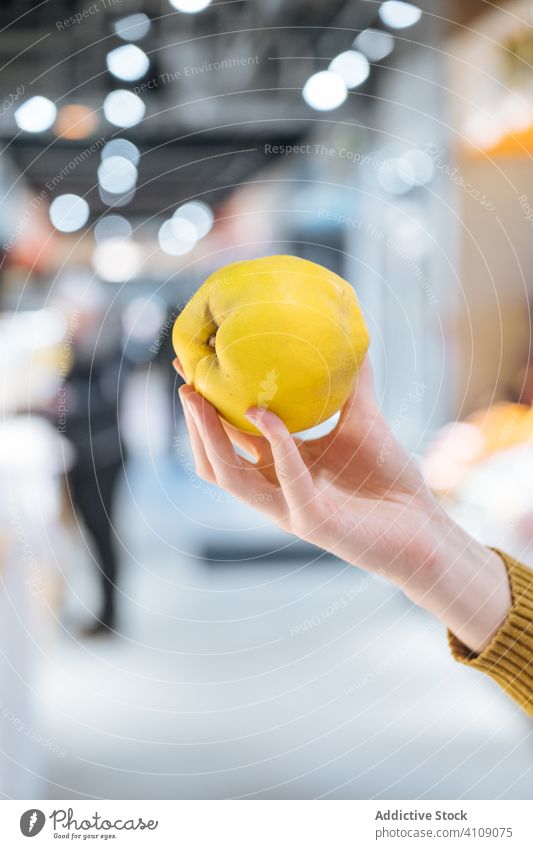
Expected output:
(220, 85)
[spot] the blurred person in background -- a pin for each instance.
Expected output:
(90, 419)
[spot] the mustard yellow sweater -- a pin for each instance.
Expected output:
(508, 658)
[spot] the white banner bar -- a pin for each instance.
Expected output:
(268, 824)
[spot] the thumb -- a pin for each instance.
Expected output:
(362, 401)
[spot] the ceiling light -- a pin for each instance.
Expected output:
(177, 237)
(123, 108)
(415, 167)
(391, 177)
(515, 112)
(406, 226)
(115, 200)
(190, 6)
(128, 62)
(36, 114)
(481, 129)
(143, 317)
(352, 67)
(184, 231)
(375, 44)
(117, 175)
(199, 214)
(112, 227)
(399, 15)
(132, 27)
(117, 260)
(69, 213)
(324, 91)
(122, 147)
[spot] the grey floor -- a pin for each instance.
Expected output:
(282, 679)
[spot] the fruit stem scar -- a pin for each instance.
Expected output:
(212, 341)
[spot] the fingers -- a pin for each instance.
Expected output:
(292, 473)
(202, 465)
(362, 399)
(253, 445)
(256, 447)
(246, 441)
(231, 472)
(179, 368)
(218, 447)
(365, 378)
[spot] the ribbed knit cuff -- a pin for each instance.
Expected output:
(508, 658)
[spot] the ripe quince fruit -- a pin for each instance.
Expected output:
(277, 332)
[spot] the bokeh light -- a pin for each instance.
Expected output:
(190, 6)
(117, 174)
(127, 62)
(352, 67)
(399, 15)
(123, 108)
(69, 213)
(36, 114)
(177, 237)
(199, 214)
(122, 147)
(374, 43)
(75, 121)
(112, 227)
(325, 90)
(132, 27)
(117, 260)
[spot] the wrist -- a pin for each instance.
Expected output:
(462, 582)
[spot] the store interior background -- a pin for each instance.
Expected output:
(245, 664)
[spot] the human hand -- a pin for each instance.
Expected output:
(356, 493)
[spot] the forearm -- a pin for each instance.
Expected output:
(463, 583)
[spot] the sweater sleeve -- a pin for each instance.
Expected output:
(508, 659)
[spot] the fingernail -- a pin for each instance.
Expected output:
(195, 414)
(186, 401)
(254, 414)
